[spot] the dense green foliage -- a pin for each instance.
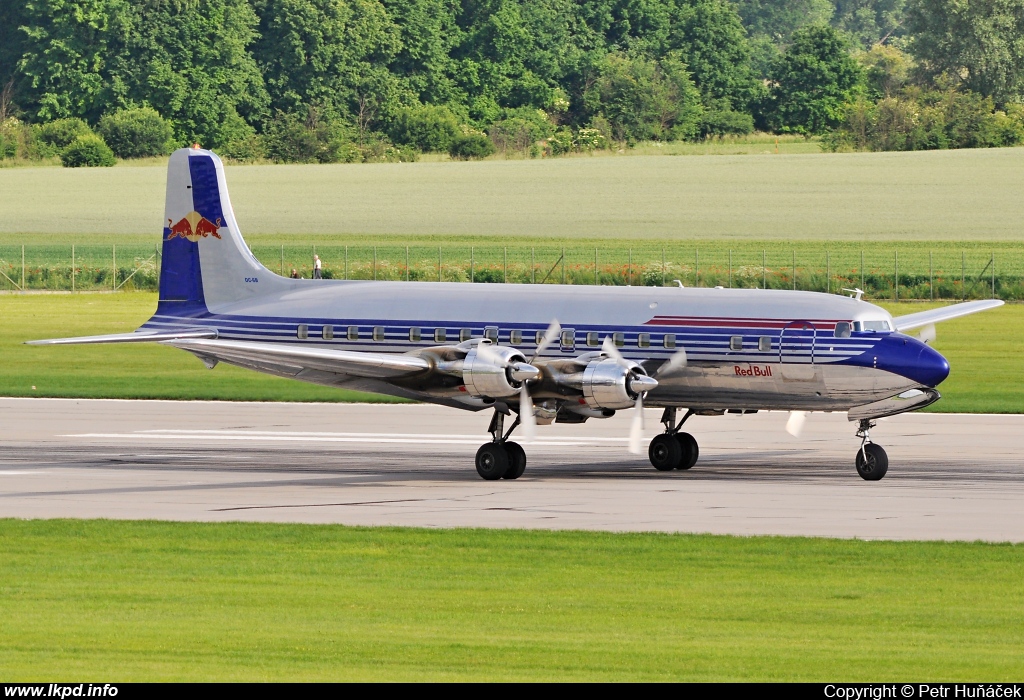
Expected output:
(87, 151)
(371, 80)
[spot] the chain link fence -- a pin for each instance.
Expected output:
(885, 274)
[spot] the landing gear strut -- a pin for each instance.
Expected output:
(872, 462)
(673, 449)
(500, 458)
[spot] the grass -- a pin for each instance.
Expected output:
(143, 601)
(938, 196)
(983, 349)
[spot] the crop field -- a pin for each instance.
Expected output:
(983, 349)
(123, 601)
(951, 196)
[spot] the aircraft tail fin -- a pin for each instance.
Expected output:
(206, 262)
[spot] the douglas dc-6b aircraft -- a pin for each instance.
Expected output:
(498, 347)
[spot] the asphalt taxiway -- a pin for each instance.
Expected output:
(951, 477)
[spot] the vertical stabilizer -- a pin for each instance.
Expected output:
(206, 263)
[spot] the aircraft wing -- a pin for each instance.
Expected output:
(293, 359)
(135, 337)
(945, 313)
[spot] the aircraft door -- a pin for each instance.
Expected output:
(797, 343)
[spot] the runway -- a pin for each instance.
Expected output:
(951, 477)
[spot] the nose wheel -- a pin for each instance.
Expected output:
(500, 458)
(872, 461)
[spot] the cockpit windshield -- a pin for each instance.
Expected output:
(871, 326)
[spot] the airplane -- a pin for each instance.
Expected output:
(499, 347)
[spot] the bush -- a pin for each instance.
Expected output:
(87, 151)
(520, 129)
(726, 122)
(139, 132)
(246, 150)
(59, 134)
(292, 139)
(471, 146)
(426, 127)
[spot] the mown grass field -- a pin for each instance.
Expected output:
(938, 195)
(120, 601)
(983, 349)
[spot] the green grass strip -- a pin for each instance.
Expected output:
(119, 601)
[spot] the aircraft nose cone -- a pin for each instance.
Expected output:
(642, 383)
(913, 359)
(523, 372)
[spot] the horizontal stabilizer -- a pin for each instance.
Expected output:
(136, 337)
(370, 365)
(945, 313)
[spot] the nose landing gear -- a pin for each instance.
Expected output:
(673, 449)
(500, 458)
(872, 462)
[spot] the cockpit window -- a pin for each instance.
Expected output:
(842, 330)
(871, 326)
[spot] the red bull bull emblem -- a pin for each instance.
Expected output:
(193, 227)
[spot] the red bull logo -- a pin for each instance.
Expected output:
(193, 227)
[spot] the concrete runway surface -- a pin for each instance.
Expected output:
(951, 477)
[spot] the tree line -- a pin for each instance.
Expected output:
(361, 80)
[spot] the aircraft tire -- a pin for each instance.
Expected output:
(665, 452)
(516, 460)
(690, 449)
(492, 461)
(876, 463)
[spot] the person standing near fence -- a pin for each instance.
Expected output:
(317, 268)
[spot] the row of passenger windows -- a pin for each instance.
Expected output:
(568, 338)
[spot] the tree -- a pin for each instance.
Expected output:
(977, 44)
(870, 22)
(812, 82)
(778, 19)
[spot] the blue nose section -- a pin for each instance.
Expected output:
(909, 357)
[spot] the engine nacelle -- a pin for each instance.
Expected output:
(608, 384)
(494, 374)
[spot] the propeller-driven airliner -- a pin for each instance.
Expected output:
(541, 353)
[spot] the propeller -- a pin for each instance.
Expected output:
(639, 384)
(674, 364)
(927, 334)
(795, 424)
(550, 336)
(522, 372)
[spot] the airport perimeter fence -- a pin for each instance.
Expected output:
(885, 274)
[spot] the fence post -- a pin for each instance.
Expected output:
(504, 274)
(630, 267)
(533, 265)
(438, 263)
(22, 269)
(662, 267)
(862, 285)
(113, 252)
(828, 273)
(696, 267)
(931, 278)
(992, 262)
(73, 268)
(764, 269)
(730, 269)
(374, 263)
(406, 263)
(794, 269)
(472, 264)
(282, 259)
(563, 264)
(346, 262)
(597, 275)
(896, 289)
(963, 275)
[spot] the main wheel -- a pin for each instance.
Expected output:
(872, 462)
(516, 460)
(665, 452)
(492, 461)
(691, 451)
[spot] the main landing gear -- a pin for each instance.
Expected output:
(500, 458)
(872, 462)
(673, 449)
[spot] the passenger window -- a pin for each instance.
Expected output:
(353, 332)
(515, 337)
(439, 335)
(491, 333)
(568, 339)
(842, 330)
(736, 342)
(302, 332)
(593, 339)
(378, 333)
(643, 340)
(414, 335)
(328, 332)
(764, 343)
(465, 334)
(619, 339)
(669, 341)
(538, 338)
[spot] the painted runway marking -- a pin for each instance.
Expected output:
(375, 438)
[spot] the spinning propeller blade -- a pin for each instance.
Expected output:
(675, 363)
(550, 336)
(795, 424)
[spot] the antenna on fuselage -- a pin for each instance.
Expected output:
(857, 293)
